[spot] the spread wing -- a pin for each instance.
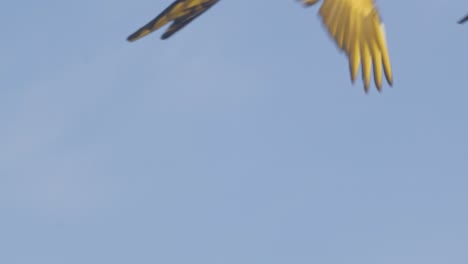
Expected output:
(463, 20)
(180, 13)
(356, 27)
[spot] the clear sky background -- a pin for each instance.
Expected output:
(239, 140)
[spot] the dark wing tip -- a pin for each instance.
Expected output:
(133, 37)
(463, 20)
(166, 35)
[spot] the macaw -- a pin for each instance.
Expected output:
(355, 26)
(180, 13)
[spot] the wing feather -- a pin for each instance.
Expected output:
(181, 22)
(343, 29)
(180, 13)
(366, 62)
(354, 53)
(339, 25)
(356, 27)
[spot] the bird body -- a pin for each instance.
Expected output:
(354, 25)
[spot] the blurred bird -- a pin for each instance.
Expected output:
(180, 13)
(355, 26)
(463, 20)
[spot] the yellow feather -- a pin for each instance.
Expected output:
(356, 29)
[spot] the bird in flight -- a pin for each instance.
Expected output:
(179, 14)
(354, 25)
(463, 20)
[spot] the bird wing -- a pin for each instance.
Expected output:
(180, 13)
(356, 27)
(463, 20)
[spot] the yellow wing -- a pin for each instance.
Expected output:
(463, 20)
(180, 13)
(356, 27)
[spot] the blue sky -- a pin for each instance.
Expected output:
(239, 140)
